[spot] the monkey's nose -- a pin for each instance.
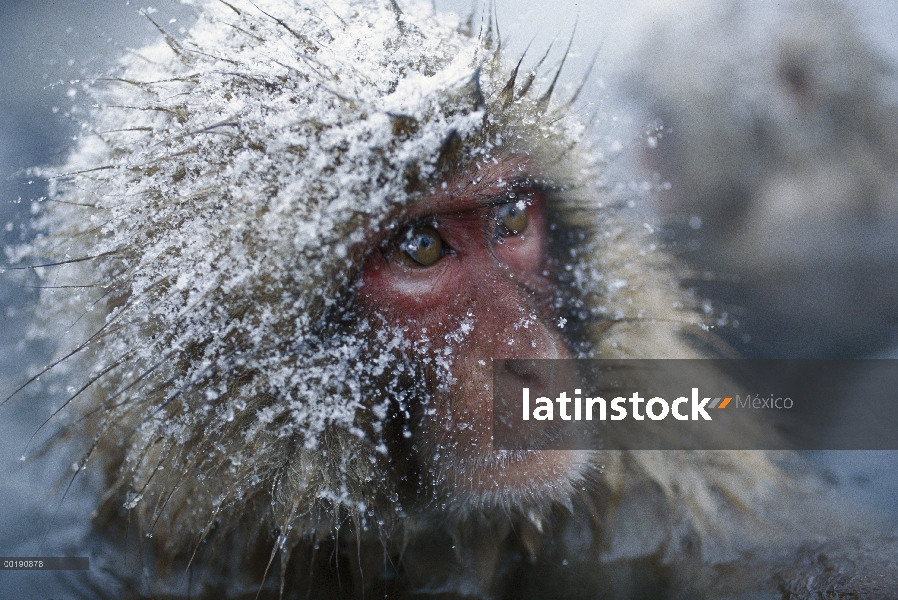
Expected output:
(534, 336)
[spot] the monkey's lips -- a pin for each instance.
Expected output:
(515, 475)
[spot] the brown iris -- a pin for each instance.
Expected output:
(512, 218)
(421, 246)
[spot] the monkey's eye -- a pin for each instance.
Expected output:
(512, 218)
(421, 246)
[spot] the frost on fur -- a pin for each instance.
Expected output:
(211, 225)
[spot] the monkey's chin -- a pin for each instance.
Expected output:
(517, 478)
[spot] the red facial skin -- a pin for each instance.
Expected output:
(489, 297)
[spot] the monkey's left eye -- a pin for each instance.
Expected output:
(512, 218)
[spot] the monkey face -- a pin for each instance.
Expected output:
(469, 279)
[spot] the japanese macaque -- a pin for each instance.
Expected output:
(284, 254)
(779, 138)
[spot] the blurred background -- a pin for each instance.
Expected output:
(758, 139)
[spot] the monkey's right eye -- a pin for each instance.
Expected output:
(421, 246)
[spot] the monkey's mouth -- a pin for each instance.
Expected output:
(481, 456)
(516, 475)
